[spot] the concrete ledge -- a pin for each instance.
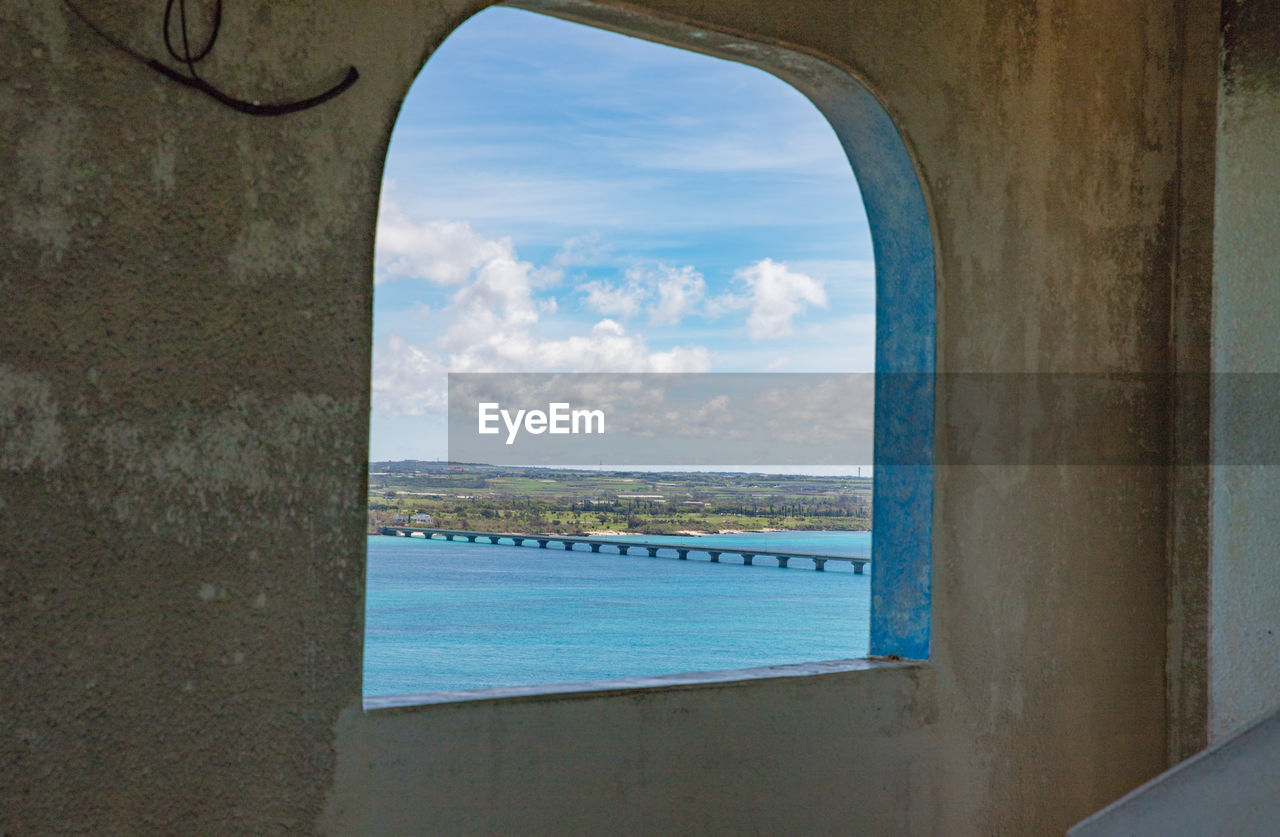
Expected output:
(664, 682)
(1230, 789)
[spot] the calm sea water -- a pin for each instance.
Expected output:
(453, 615)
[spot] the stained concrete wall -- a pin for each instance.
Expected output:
(184, 377)
(1245, 572)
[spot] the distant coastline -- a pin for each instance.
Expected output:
(613, 533)
(484, 498)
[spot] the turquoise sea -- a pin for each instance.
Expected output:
(442, 616)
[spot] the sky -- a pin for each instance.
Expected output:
(560, 198)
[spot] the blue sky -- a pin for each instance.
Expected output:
(560, 198)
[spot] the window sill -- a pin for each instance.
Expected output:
(631, 685)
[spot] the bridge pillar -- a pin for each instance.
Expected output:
(715, 557)
(494, 539)
(684, 554)
(653, 551)
(820, 564)
(747, 558)
(472, 538)
(568, 545)
(782, 561)
(857, 567)
(595, 547)
(542, 543)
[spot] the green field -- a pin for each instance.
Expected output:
(500, 499)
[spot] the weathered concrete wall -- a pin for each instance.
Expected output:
(184, 373)
(1245, 574)
(1187, 667)
(766, 757)
(184, 352)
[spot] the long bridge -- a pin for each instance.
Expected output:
(682, 550)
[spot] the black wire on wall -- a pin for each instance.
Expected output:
(183, 53)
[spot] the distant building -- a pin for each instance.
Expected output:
(421, 517)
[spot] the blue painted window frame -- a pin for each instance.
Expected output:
(906, 323)
(906, 346)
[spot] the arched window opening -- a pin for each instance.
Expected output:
(559, 198)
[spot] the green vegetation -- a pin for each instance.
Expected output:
(497, 499)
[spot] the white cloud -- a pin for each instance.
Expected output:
(407, 380)
(775, 294)
(492, 320)
(726, 303)
(678, 291)
(542, 278)
(606, 348)
(499, 297)
(680, 359)
(438, 251)
(669, 293)
(614, 300)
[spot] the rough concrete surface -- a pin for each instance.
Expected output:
(184, 391)
(1245, 573)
